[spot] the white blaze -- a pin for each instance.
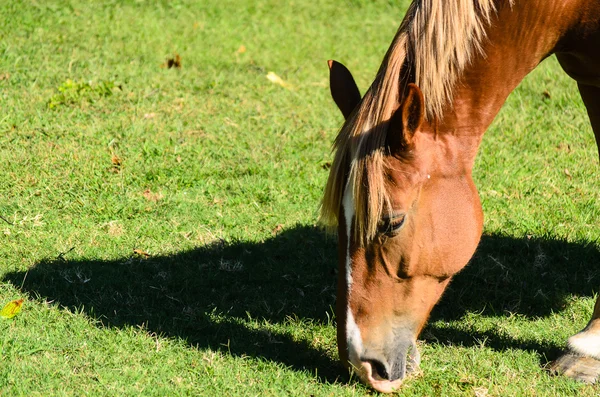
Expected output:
(353, 337)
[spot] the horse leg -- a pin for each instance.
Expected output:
(581, 361)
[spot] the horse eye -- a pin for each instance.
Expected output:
(391, 225)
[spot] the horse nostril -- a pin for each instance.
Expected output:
(379, 370)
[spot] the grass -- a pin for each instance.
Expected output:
(160, 222)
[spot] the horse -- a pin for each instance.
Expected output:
(400, 190)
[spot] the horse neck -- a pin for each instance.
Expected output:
(517, 41)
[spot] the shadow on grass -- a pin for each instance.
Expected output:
(531, 277)
(206, 296)
(215, 296)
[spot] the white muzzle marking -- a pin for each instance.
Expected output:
(353, 338)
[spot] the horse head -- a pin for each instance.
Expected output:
(428, 229)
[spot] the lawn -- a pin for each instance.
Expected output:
(159, 202)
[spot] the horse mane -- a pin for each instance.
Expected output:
(434, 43)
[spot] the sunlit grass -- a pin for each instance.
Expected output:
(160, 222)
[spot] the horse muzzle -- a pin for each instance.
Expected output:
(385, 369)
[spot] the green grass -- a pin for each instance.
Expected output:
(217, 173)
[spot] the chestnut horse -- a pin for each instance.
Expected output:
(400, 190)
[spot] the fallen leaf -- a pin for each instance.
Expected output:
(141, 253)
(277, 229)
(564, 146)
(242, 49)
(151, 196)
(568, 174)
(116, 160)
(174, 62)
(546, 94)
(116, 164)
(11, 309)
(273, 78)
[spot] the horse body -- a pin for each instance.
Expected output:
(416, 163)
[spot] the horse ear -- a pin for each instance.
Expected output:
(413, 111)
(408, 118)
(344, 91)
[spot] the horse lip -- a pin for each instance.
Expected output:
(407, 364)
(386, 386)
(380, 385)
(400, 359)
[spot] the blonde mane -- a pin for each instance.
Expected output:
(435, 42)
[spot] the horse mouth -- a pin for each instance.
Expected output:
(385, 379)
(370, 377)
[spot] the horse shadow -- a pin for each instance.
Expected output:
(528, 276)
(220, 296)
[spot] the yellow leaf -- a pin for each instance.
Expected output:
(141, 253)
(273, 78)
(11, 309)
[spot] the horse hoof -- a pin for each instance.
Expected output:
(584, 369)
